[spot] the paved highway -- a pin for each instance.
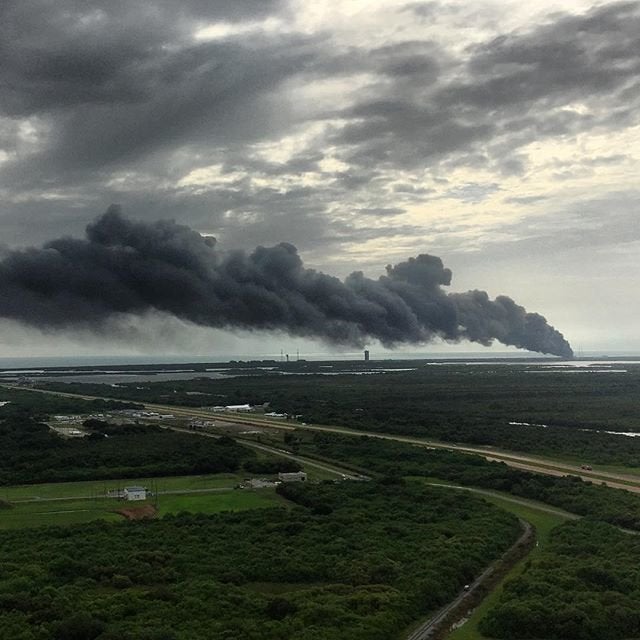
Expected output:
(538, 464)
(333, 469)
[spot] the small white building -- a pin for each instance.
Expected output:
(135, 493)
(239, 408)
(296, 476)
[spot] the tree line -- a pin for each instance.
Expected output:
(33, 453)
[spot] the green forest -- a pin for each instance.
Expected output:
(32, 453)
(585, 585)
(21, 403)
(566, 413)
(389, 458)
(350, 561)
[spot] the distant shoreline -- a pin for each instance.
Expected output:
(126, 370)
(170, 361)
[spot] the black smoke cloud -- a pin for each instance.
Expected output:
(125, 267)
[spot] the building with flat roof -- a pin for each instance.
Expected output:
(135, 493)
(239, 408)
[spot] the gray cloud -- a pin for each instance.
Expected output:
(124, 87)
(472, 192)
(605, 223)
(525, 200)
(381, 212)
(117, 102)
(508, 92)
(75, 52)
(424, 9)
(116, 83)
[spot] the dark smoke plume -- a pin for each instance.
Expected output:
(131, 267)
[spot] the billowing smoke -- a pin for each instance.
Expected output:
(131, 267)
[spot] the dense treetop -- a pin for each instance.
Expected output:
(32, 453)
(585, 585)
(386, 457)
(558, 412)
(349, 561)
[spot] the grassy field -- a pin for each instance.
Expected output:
(65, 512)
(93, 488)
(630, 471)
(63, 503)
(98, 488)
(544, 522)
(215, 502)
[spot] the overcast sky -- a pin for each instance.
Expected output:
(501, 136)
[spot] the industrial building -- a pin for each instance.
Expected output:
(135, 493)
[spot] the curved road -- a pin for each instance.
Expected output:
(428, 628)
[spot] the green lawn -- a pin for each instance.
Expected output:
(97, 488)
(533, 513)
(94, 488)
(63, 512)
(629, 471)
(237, 500)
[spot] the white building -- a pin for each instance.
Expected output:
(239, 408)
(135, 493)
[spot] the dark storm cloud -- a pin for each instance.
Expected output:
(115, 82)
(412, 60)
(574, 57)
(508, 92)
(399, 132)
(296, 165)
(81, 52)
(211, 95)
(134, 268)
(242, 212)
